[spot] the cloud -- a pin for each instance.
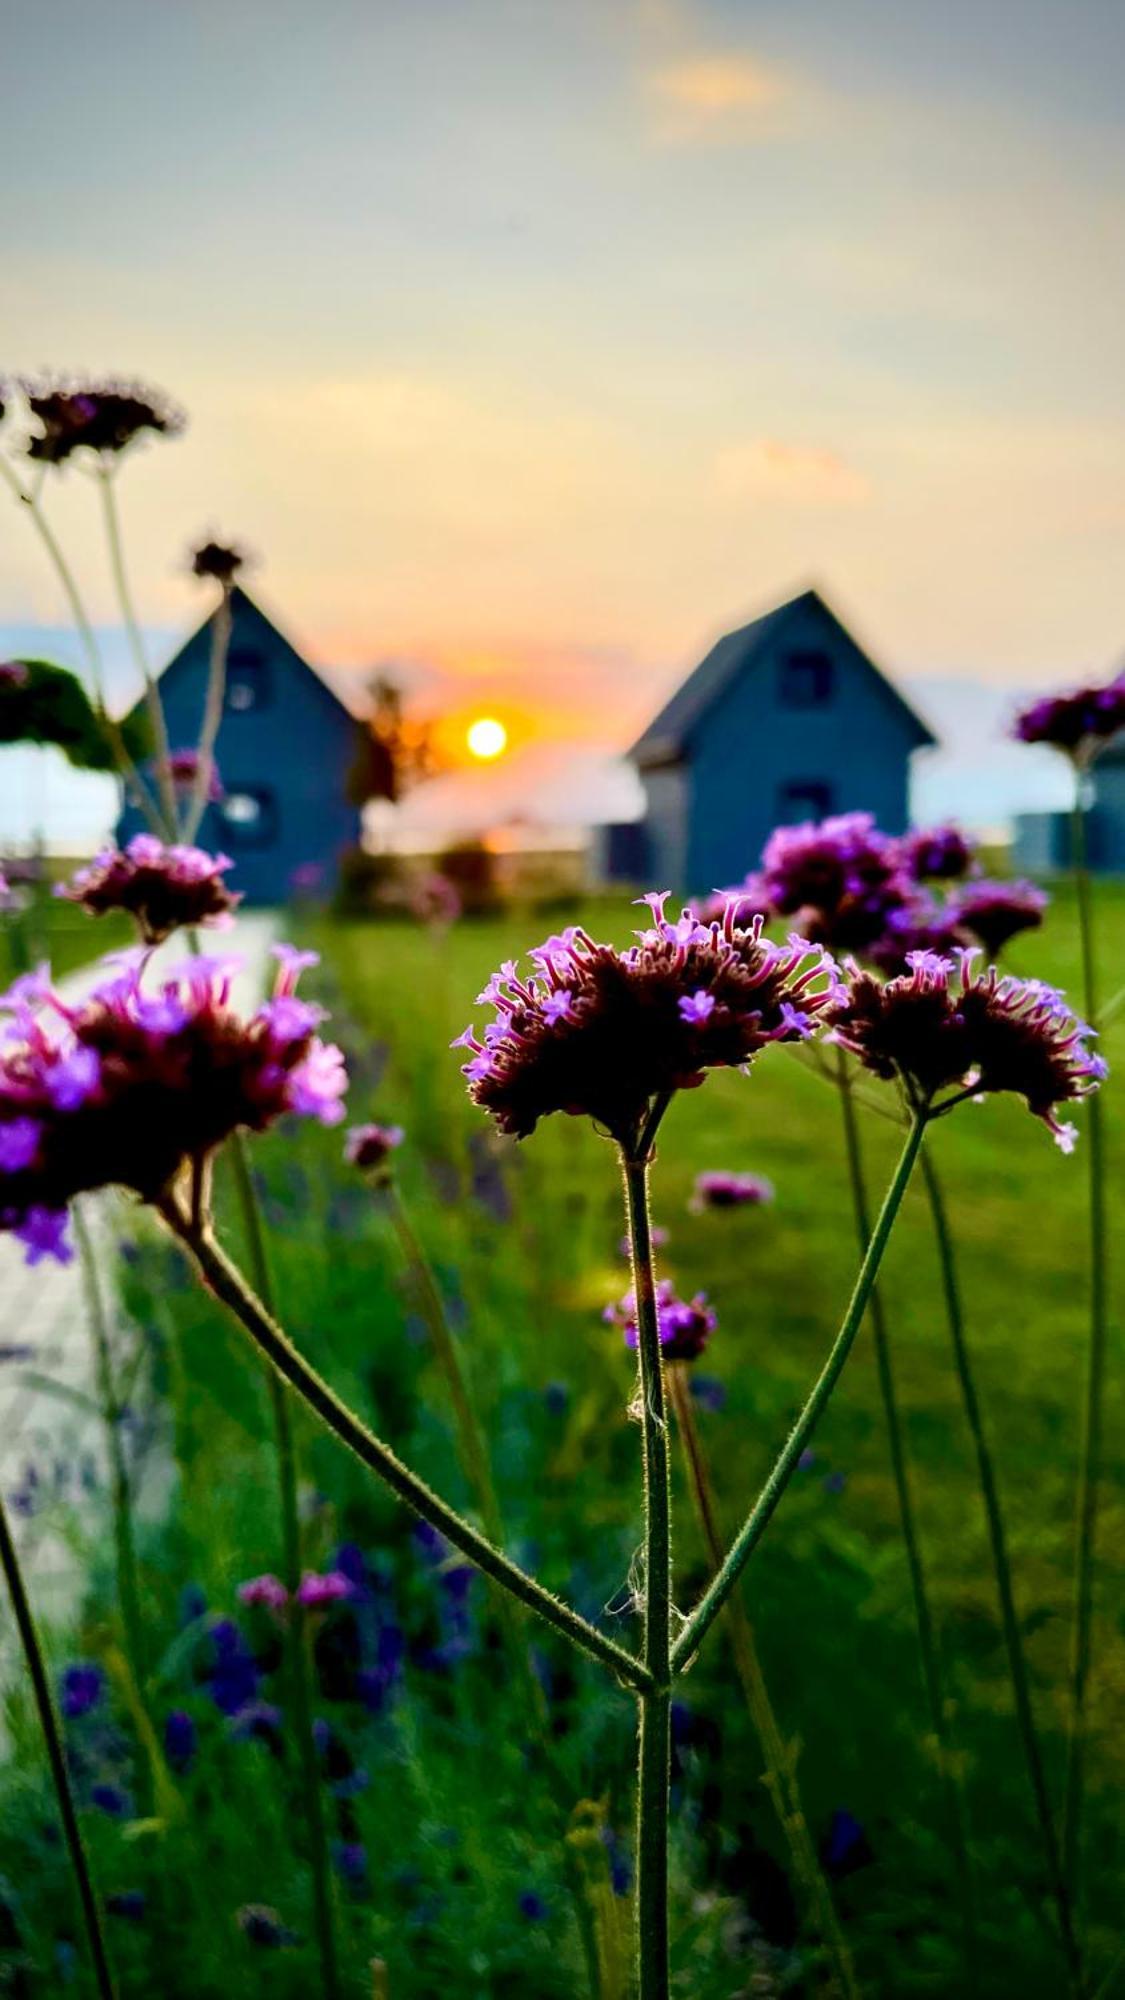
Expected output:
(724, 99)
(803, 475)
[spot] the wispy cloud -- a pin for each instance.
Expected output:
(804, 475)
(717, 99)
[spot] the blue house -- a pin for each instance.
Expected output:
(786, 719)
(1042, 841)
(283, 751)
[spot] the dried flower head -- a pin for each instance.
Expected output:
(183, 769)
(936, 854)
(943, 1027)
(219, 562)
(129, 1086)
(995, 912)
(684, 1325)
(369, 1147)
(606, 1033)
(1080, 724)
(104, 417)
(162, 888)
(730, 1190)
(840, 879)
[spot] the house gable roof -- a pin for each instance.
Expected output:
(667, 739)
(246, 614)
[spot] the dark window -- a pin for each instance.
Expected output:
(249, 816)
(805, 680)
(248, 681)
(804, 798)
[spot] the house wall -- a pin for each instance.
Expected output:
(292, 747)
(750, 747)
(666, 825)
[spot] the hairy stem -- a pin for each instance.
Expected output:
(923, 1616)
(654, 1773)
(56, 1756)
(228, 1284)
(1009, 1616)
(1090, 1458)
(780, 1757)
(764, 1508)
(296, 1646)
(128, 1585)
(212, 715)
(165, 784)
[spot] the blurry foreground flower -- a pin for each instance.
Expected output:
(684, 1325)
(130, 1087)
(942, 1027)
(1079, 724)
(103, 417)
(436, 900)
(838, 878)
(937, 854)
(730, 1190)
(607, 1034)
(162, 888)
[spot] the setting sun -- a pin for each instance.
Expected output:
(487, 737)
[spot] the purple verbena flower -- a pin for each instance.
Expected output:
(995, 912)
(127, 1086)
(936, 854)
(163, 888)
(369, 1147)
(1079, 723)
(730, 1190)
(944, 1027)
(179, 1739)
(315, 1591)
(183, 769)
(838, 879)
(103, 417)
(83, 1686)
(267, 1590)
(687, 997)
(684, 1325)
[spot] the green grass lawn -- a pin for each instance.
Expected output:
(469, 1883)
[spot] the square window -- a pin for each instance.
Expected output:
(805, 680)
(249, 816)
(248, 681)
(804, 798)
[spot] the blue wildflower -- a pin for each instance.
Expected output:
(82, 1687)
(845, 1846)
(234, 1675)
(350, 1857)
(532, 1906)
(110, 1799)
(179, 1739)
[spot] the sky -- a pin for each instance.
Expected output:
(531, 344)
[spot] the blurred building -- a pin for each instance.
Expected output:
(786, 719)
(285, 745)
(1042, 840)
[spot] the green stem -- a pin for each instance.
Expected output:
(56, 1756)
(228, 1285)
(1009, 1616)
(655, 1704)
(128, 1584)
(780, 1757)
(165, 783)
(297, 1658)
(923, 1617)
(212, 715)
(1090, 1458)
(764, 1508)
(112, 729)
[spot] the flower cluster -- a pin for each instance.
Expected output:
(604, 1033)
(1078, 723)
(369, 1147)
(162, 888)
(995, 912)
(128, 1086)
(936, 854)
(943, 1026)
(315, 1590)
(96, 416)
(684, 1325)
(839, 879)
(730, 1190)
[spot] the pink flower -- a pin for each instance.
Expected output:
(317, 1590)
(268, 1590)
